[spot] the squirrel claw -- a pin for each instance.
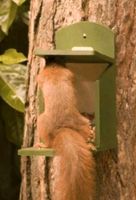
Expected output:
(40, 145)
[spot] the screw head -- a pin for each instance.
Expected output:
(84, 35)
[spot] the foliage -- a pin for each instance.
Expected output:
(12, 74)
(8, 11)
(19, 2)
(11, 56)
(12, 85)
(13, 13)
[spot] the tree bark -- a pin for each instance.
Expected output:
(116, 169)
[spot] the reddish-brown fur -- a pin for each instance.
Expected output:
(63, 128)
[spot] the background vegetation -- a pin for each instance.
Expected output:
(13, 51)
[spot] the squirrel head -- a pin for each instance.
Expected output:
(55, 73)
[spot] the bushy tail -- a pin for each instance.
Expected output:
(72, 169)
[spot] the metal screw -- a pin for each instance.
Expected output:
(84, 35)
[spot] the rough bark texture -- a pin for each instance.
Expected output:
(116, 170)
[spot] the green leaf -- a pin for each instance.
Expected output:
(12, 85)
(8, 11)
(11, 56)
(25, 18)
(19, 2)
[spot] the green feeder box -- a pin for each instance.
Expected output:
(88, 50)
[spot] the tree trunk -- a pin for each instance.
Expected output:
(116, 170)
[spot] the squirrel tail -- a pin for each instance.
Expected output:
(72, 169)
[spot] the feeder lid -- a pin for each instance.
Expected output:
(76, 56)
(82, 42)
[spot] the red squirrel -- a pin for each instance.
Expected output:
(63, 128)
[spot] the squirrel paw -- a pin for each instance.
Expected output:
(40, 145)
(91, 147)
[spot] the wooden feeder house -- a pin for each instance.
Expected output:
(88, 50)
